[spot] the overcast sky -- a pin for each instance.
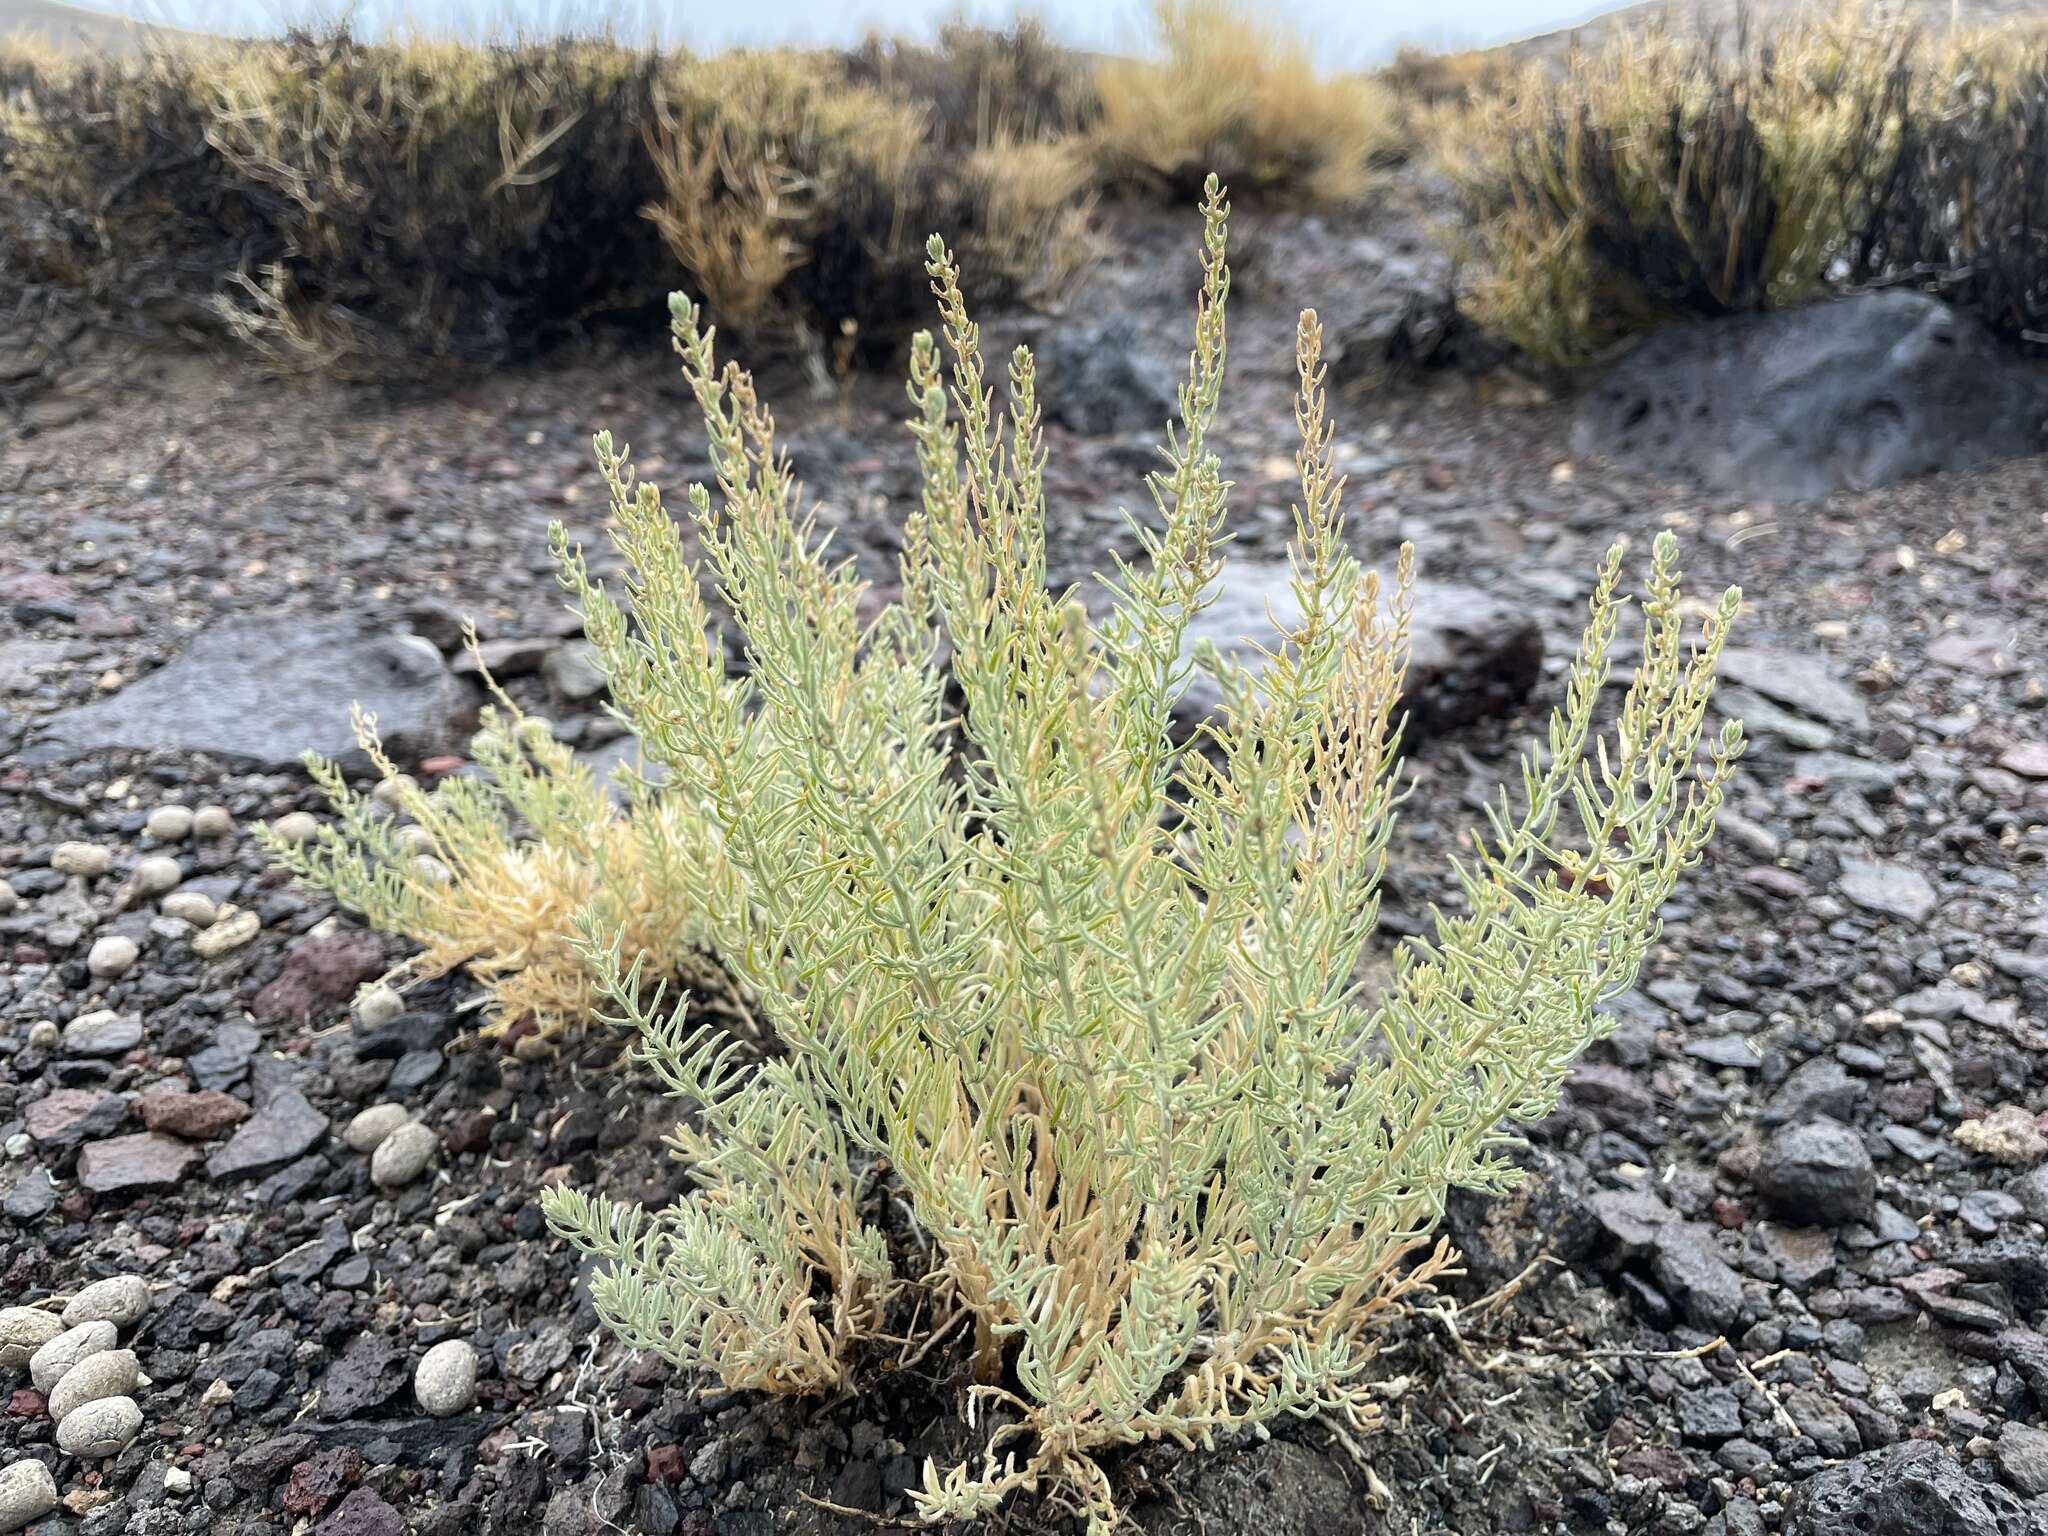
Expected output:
(1346, 33)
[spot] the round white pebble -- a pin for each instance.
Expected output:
(119, 1299)
(295, 827)
(390, 791)
(9, 900)
(169, 823)
(46, 1367)
(445, 1381)
(27, 1493)
(377, 1005)
(43, 1035)
(112, 956)
(413, 840)
(156, 873)
(370, 1129)
(110, 1373)
(100, 1428)
(84, 859)
(177, 1482)
(23, 1331)
(194, 907)
(212, 821)
(403, 1155)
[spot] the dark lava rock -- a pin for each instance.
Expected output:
(1473, 656)
(1913, 1488)
(1689, 1266)
(1500, 1236)
(284, 1128)
(403, 1035)
(371, 1371)
(32, 1198)
(125, 1164)
(362, 1513)
(1817, 1173)
(1818, 1087)
(319, 974)
(1799, 402)
(1709, 1415)
(261, 691)
(1099, 379)
(64, 1118)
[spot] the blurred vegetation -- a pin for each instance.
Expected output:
(1668, 175)
(1237, 94)
(350, 207)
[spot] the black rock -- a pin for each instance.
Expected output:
(1799, 402)
(1913, 1488)
(402, 1035)
(1709, 1415)
(1689, 1267)
(370, 1373)
(1100, 379)
(1818, 1173)
(284, 1128)
(262, 691)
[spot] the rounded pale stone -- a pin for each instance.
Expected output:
(445, 1380)
(99, 1429)
(377, 1005)
(295, 827)
(212, 821)
(169, 823)
(110, 1373)
(119, 1299)
(403, 1155)
(9, 900)
(27, 1493)
(156, 873)
(23, 1331)
(87, 860)
(43, 1035)
(194, 907)
(390, 791)
(370, 1129)
(228, 932)
(113, 955)
(46, 1367)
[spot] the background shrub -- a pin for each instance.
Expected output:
(1665, 176)
(1238, 94)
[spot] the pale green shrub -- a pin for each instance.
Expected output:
(1158, 1142)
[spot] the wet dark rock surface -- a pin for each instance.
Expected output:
(1702, 1311)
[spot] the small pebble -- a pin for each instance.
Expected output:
(403, 1155)
(295, 827)
(23, 1331)
(227, 932)
(445, 1381)
(177, 1482)
(119, 1299)
(413, 840)
(194, 907)
(392, 790)
(156, 873)
(212, 821)
(101, 1428)
(431, 870)
(43, 1035)
(46, 1367)
(88, 860)
(110, 1373)
(169, 823)
(377, 1005)
(112, 956)
(27, 1492)
(374, 1125)
(9, 900)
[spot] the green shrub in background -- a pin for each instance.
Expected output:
(1160, 1149)
(1666, 176)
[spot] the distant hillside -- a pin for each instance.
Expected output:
(74, 26)
(1721, 15)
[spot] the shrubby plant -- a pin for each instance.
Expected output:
(1089, 1002)
(1668, 175)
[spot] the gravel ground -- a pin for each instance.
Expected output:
(1780, 1261)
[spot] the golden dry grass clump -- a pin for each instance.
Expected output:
(1240, 94)
(1668, 175)
(492, 873)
